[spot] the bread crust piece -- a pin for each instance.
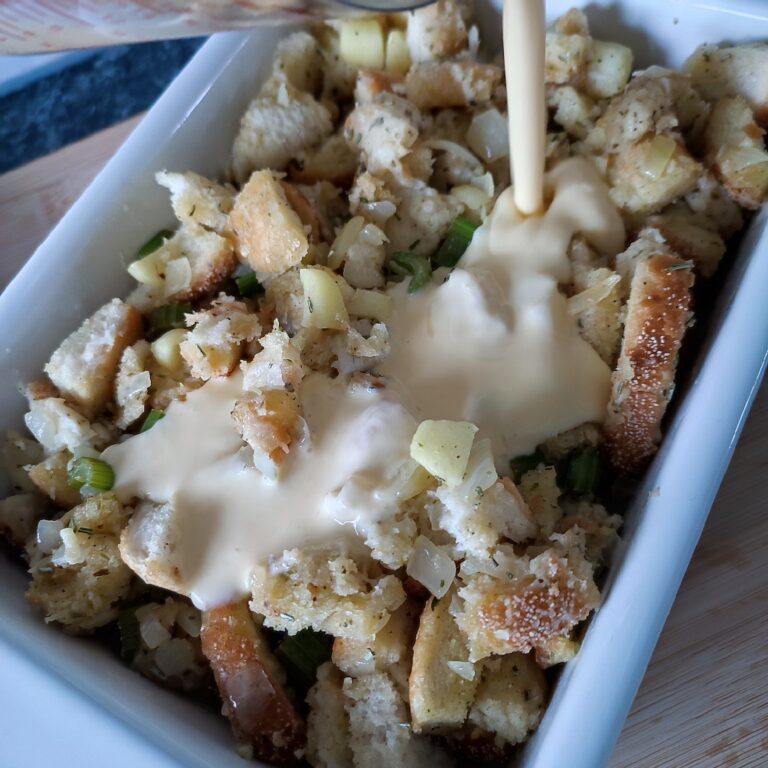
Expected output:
(658, 313)
(249, 681)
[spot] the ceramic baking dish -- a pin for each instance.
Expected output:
(80, 266)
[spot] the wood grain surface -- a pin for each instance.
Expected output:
(704, 700)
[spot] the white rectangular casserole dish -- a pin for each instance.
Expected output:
(80, 265)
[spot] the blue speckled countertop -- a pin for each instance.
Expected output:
(111, 85)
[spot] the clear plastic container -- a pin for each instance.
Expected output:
(37, 26)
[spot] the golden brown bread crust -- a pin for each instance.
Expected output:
(658, 313)
(260, 712)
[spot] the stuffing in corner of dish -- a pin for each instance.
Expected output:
(360, 173)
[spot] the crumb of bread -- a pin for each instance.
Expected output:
(132, 383)
(436, 31)
(435, 85)
(198, 200)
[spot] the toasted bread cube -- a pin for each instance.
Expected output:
(213, 346)
(132, 383)
(335, 160)
(299, 59)
(433, 85)
(565, 58)
(574, 110)
(385, 130)
(198, 200)
(439, 697)
(187, 267)
(558, 651)
(50, 477)
(19, 516)
(325, 590)
(56, 426)
(85, 364)
(17, 453)
(378, 726)
(268, 232)
(735, 148)
(327, 727)
(599, 311)
(510, 699)
(689, 239)
(739, 70)
(436, 31)
(658, 312)
(609, 66)
(251, 686)
(524, 610)
(148, 546)
(541, 493)
(284, 301)
(270, 422)
(83, 592)
(278, 124)
(648, 175)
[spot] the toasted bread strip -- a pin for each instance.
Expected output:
(658, 312)
(249, 680)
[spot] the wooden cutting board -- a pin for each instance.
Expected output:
(704, 700)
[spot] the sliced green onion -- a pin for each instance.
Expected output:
(94, 473)
(152, 418)
(456, 242)
(522, 464)
(418, 267)
(130, 635)
(301, 654)
(167, 317)
(584, 471)
(154, 243)
(248, 284)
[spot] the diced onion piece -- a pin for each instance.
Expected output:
(372, 304)
(379, 211)
(323, 302)
(189, 619)
(175, 657)
(47, 536)
(660, 151)
(397, 57)
(344, 241)
(472, 197)
(488, 135)
(481, 472)
(166, 349)
(178, 276)
(443, 448)
(464, 669)
(72, 549)
(431, 567)
(443, 145)
(419, 481)
(152, 630)
(134, 384)
(592, 295)
(608, 70)
(361, 43)
(149, 270)
(739, 158)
